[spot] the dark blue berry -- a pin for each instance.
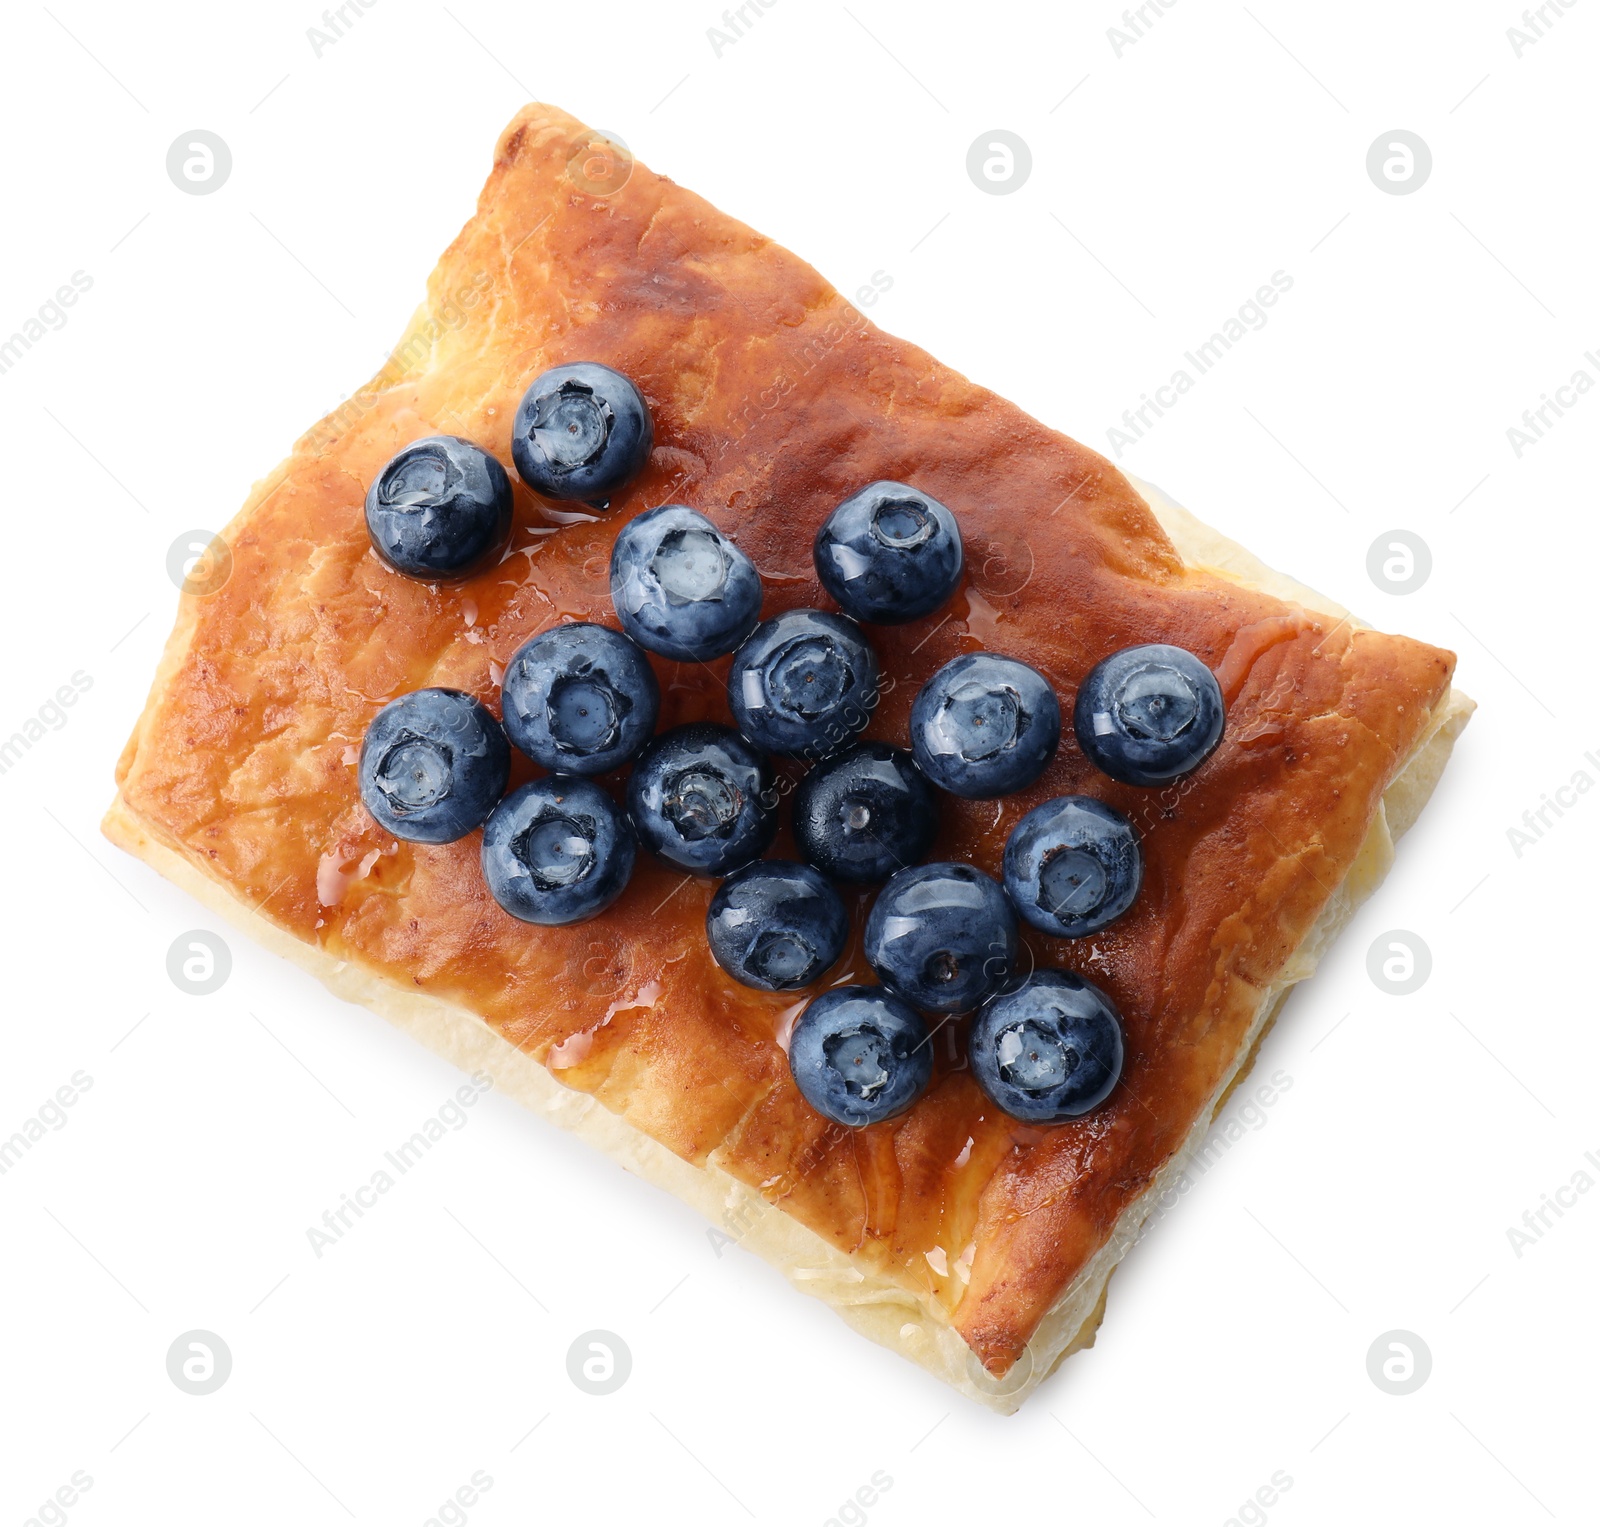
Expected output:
(943, 936)
(581, 432)
(1049, 1049)
(557, 851)
(440, 509)
(804, 684)
(889, 554)
(681, 587)
(703, 799)
(776, 926)
(579, 699)
(1073, 866)
(433, 765)
(985, 726)
(1147, 715)
(859, 1055)
(865, 814)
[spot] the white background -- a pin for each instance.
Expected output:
(1168, 183)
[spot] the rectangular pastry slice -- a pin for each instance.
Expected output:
(975, 1245)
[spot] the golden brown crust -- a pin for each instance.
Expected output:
(773, 399)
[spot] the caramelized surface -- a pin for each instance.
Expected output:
(772, 399)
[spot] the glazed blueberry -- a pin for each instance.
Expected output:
(580, 699)
(865, 814)
(681, 587)
(1146, 715)
(804, 684)
(440, 509)
(889, 554)
(776, 926)
(1073, 866)
(859, 1055)
(557, 851)
(433, 765)
(943, 936)
(985, 726)
(703, 799)
(1049, 1049)
(581, 432)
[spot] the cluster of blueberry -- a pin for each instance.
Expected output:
(582, 700)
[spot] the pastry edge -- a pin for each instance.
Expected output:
(870, 1302)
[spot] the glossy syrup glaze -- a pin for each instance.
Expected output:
(772, 400)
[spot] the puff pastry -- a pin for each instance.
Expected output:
(974, 1245)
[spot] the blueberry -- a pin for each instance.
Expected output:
(703, 799)
(1049, 1049)
(581, 432)
(580, 699)
(804, 684)
(943, 936)
(557, 851)
(440, 509)
(776, 926)
(1073, 866)
(865, 814)
(1146, 715)
(681, 587)
(889, 554)
(859, 1055)
(985, 726)
(433, 765)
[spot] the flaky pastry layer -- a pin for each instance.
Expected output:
(977, 1245)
